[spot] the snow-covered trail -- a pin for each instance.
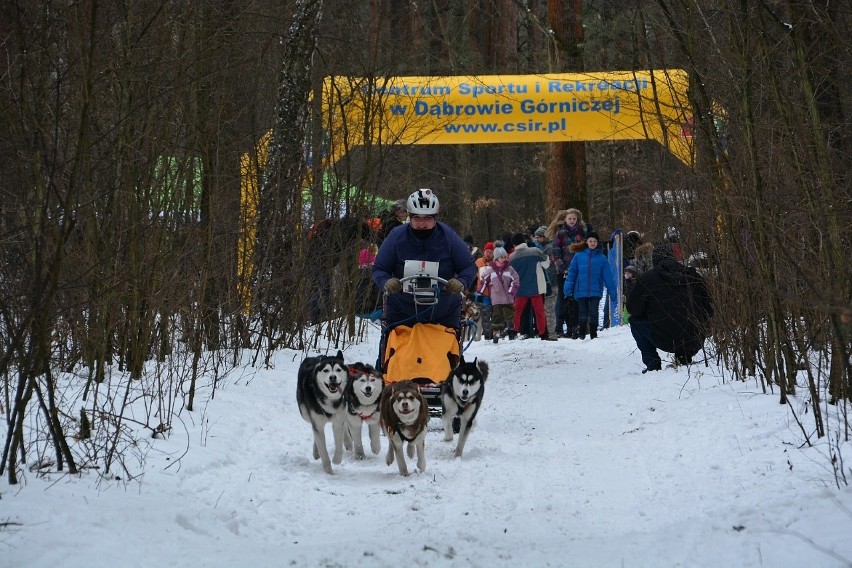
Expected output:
(577, 460)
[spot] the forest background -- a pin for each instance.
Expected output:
(124, 126)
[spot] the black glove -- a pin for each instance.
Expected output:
(454, 286)
(393, 285)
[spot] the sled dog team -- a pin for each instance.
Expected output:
(348, 396)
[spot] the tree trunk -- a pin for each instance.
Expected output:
(566, 163)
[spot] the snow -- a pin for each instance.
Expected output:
(577, 460)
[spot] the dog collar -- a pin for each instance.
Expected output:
(366, 417)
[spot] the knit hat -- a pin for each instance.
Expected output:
(662, 252)
(488, 246)
(500, 252)
(592, 235)
(632, 269)
(518, 239)
(541, 231)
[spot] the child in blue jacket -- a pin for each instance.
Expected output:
(588, 273)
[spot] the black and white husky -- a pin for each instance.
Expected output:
(461, 395)
(319, 393)
(363, 395)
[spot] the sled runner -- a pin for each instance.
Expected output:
(422, 352)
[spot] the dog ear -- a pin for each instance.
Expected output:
(454, 359)
(340, 354)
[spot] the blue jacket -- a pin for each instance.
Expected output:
(587, 274)
(443, 246)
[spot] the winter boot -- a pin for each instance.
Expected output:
(593, 331)
(581, 332)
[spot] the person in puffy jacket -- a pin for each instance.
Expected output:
(424, 238)
(673, 306)
(587, 274)
(501, 282)
(568, 228)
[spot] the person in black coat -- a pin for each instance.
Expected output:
(669, 308)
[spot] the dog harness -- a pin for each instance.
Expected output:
(403, 436)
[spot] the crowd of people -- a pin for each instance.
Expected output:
(545, 282)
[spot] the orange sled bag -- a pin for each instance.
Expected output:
(427, 350)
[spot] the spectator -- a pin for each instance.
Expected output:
(483, 299)
(396, 216)
(367, 255)
(640, 264)
(367, 295)
(500, 282)
(588, 273)
(669, 308)
(474, 251)
(506, 239)
(631, 240)
(530, 264)
(424, 238)
(630, 276)
(672, 237)
(642, 259)
(565, 231)
(546, 246)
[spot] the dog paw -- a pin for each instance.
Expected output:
(359, 456)
(448, 436)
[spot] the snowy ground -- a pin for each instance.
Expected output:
(577, 460)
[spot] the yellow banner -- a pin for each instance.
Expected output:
(615, 105)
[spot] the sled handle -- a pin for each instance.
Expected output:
(425, 289)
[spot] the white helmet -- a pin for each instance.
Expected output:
(423, 202)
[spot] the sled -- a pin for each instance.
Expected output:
(424, 353)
